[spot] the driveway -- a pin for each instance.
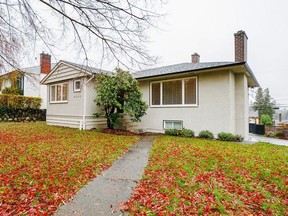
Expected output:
(258, 138)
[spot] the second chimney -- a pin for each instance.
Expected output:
(45, 63)
(240, 46)
(195, 58)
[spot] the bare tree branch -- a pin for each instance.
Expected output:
(116, 28)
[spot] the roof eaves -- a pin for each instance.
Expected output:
(194, 70)
(247, 67)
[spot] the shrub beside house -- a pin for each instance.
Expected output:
(18, 108)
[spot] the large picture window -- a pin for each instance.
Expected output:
(59, 93)
(177, 92)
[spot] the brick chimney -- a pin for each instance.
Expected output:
(195, 58)
(45, 63)
(240, 46)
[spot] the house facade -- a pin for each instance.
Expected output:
(199, 96)
(28, 79)
(71, 96)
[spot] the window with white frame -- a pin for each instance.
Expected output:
(176, 92)
(77, 85)
(59, 93)
(172, 124)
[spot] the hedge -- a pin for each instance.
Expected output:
(8, 114)
(19, 101)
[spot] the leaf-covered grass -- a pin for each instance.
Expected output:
(198, 177)
(42, 166)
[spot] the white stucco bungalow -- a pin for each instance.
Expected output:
(199, 96)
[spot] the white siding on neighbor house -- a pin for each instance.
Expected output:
(43, 93)
(4, 84)
(31, 85)
(216, 110)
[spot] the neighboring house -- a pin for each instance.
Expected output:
(29, 78)
(253, 116)
(199, 96)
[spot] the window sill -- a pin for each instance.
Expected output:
(58, 102)
(173, 106)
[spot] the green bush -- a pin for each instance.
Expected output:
(19, 101)
(223, 136)
(186, 133)
(183, 133)
(269, 123)
(172, 132)
(238, 138)
(206, 134)
(266, 119)
(226, 136)
(12, 91)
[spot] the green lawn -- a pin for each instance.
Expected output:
(42, 166)
(198, 177)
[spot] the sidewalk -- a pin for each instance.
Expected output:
(258, 138)
(101, 196)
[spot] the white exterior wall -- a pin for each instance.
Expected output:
(66, 113)
(242, 105)
(222, 104)
(76, 113)
(216, 110)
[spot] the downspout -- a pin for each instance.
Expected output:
(83, 122)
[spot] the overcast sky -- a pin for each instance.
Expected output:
(208, 26)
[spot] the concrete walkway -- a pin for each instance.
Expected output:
(258, 138)
(102, 195)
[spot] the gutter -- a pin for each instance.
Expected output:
(251, 74)
(82, 125)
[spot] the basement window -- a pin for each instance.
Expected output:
(173, 124)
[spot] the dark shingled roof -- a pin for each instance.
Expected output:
(178, 68)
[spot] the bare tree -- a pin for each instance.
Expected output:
(114, 28)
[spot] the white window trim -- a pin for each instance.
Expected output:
(173, 121)
(50, 92)
(74, 84)
(183, 93)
